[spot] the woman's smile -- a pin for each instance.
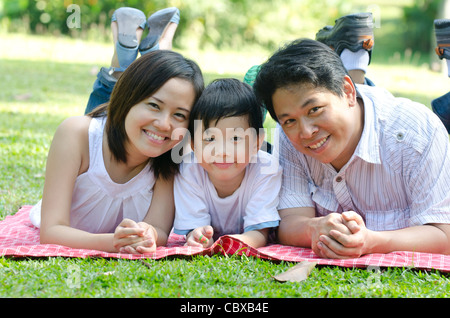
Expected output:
(154, 137)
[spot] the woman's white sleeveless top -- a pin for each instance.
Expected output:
(98, 203)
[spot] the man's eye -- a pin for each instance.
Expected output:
(288, 122)
(314, 110)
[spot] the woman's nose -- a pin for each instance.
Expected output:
(163, 122)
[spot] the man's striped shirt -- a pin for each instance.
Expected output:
(399, 175)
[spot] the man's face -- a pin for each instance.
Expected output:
(319, 123)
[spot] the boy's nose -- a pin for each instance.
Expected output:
(222, 151)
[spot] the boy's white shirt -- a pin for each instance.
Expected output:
(252, 206)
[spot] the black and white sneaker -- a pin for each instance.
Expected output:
(353, 32)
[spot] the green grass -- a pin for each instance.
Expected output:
(47, 79)
(206, 277)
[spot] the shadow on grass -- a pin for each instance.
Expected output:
(28, 81)
(42, 81)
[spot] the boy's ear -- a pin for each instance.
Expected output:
(260, 139)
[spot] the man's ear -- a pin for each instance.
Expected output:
(349, 90)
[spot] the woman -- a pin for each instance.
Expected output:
(109, 174)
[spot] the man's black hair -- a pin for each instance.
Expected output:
(302, 61)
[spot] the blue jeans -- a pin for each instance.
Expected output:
(441, 107)
(368, 82)
(101, 91)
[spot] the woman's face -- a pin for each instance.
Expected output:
(158, 123)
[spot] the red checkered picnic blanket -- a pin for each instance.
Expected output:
(19, 238)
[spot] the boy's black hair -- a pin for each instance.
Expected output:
(302, 61)
(224, 98)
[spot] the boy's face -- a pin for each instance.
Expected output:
(225, 149)
(321, 124)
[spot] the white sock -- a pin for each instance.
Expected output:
(356, 60)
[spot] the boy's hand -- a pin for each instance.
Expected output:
(200, 237)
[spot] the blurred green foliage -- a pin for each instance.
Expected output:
(418, 24)
(233, 24)
(218, 23)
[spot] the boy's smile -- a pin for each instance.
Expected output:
(223, 165)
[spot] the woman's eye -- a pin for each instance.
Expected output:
(153, 105)
(208, 139)
(180, 116)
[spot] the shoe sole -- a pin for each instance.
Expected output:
(157, 23)
(442, 32)
(355, 26)
(128, 21)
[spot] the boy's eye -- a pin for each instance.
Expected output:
(209, 139)
(236, 138)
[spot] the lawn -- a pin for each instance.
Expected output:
(47, 79)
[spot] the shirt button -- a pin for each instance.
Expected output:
(339, 179)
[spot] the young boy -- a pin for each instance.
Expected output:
(227, 185)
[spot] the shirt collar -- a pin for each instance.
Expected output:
(368, 148)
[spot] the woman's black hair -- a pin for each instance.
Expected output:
(139, 81)
(302, 61)
(224, 98)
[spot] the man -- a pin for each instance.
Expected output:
(364, 172)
